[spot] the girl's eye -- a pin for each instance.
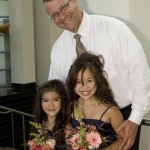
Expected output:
(90, 80)
(44, 100)
(57, 99)
(78, 82)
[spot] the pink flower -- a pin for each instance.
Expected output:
(45, 147)
(82, 148)
(33, 145)
(51, 143)
(74, 141)
(91, 127)
(37, 147)
(94, 139)
(31, 142)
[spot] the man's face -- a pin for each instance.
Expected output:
(65, 13)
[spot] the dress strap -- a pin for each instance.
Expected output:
(105, 111)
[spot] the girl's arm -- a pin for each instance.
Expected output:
(116, 120)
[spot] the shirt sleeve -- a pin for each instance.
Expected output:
(134, 58)
(54, 71)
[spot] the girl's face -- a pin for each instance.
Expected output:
(51, 103)
(65, 13)
(87, 88)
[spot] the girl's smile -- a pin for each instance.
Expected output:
(51, 103)
(85, 85)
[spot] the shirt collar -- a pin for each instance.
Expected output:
(85, 25)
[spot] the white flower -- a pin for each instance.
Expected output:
(51, 143)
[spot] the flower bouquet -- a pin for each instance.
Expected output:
(85, 136)
(40, 142)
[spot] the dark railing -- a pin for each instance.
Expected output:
(23, 114)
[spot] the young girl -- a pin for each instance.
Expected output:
(91, 94)
(51, 106)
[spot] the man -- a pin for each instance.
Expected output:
(125, 62)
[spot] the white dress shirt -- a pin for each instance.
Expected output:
(125, 62)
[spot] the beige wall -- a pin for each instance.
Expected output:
(4, 8)
(22, 41)
(42, 41)
(117, 8)
(46, 33)
(140, 23)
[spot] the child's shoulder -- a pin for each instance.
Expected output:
(108, 107)
(114, 113)
(113, 107)
(112, 110)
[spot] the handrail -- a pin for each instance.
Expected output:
(15, 111)
(11, 111)
(6, 112)
(145, 121)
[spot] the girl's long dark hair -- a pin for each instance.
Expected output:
(50, 86)
(95, 64)
(61, 120)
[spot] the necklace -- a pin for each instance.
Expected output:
(85, 112)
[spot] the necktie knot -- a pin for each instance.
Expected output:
(77, 37)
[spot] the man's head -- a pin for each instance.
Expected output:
(65, 13)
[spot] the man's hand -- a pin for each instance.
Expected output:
(130, 130)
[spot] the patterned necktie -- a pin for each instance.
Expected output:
(80, 48)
